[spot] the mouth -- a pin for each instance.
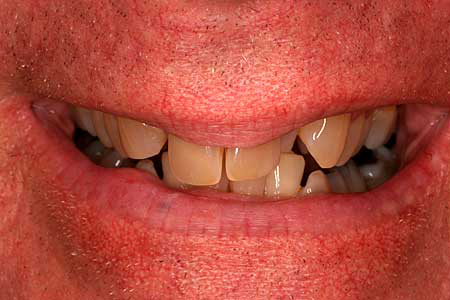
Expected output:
(338, 172)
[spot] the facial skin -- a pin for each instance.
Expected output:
(227, 73)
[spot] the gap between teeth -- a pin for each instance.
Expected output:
(274, 169)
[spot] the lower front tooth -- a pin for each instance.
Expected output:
(337, 182)
(194, 164)
(252, 163)
(99, 124)
(383, 124)
(253, 187)
(284, 180)
(317, 183)
(113, 133)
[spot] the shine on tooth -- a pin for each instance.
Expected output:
(285, 179)
(83, 119)
(113, 159)
(99, 125)
(325, 138)
(317, 183)
(353, 138)
(140, 140)
(194, 164)
(113, 133)
(253, 187)
(383, 124)
(252, 163)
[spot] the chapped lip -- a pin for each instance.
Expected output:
(138, 196)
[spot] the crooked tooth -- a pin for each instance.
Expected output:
(83, 119)
(253, 187)
(337, 182)
(99, 125)
(252, 163)
(113, 133)
(383, 124)
(287, 141)
(284, 180)
(353, 139)
(317, 183)
(353, 178)
(168, 177)
(140, 140)
(147, 165)
(194, 164)
(325, 139)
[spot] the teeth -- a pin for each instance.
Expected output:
(378, 173)
(223, 184)
(337, 182)
(353, 138)
(317, 183)
(83, 119)
(325, 139)
(353, 178)
(113, 159)
(252, 163)
(95, 151)
(287, 141)
(364, 133)
(140, 140)
(113, 133)
(169, 178)
(285, 179)
(253, 187)
(193, 164)
(99, 125)
(301, 146)
(147, 165)
(383, 124)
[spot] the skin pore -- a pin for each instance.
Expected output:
(226, 73)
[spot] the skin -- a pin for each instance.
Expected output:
(228, 73)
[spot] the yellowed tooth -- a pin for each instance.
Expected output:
(194, 164)
(287, 141)
(140, 140)
(365, 132)
(325, 139)
(253, 187)
(83, 119)
(317, 183)
(168, 177)
(99, 125)
(353, 178)
(223, 185)
(383, 124)
(284, 180)
(337, 182)
(147, 165)
(353, 138)
(252, 163)
(113, 132)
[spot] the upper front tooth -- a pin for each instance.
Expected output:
(285, 179)
(317, 183)
(195, 164)
(168, 177)
(252, 163)
(113, 132)
(287, 141)
(140, 140)
(354, 135)
(99, 124)
(383, 124)
(325, 139)
(83, 119)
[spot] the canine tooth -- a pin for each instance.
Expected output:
(140, 140)
(353, 138)
(285, 179)
(287, 141)
(365, 132)
(252, 163)
(99, 125)
(147, 165)
(317, 183)
(194, 164)
(95, 151)
(383, 124)
(83, 119)
(113, 159)
(353, 178)
(325, 139)
(337, 182)
(168, 177)
(113, 133)
(254, 187)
